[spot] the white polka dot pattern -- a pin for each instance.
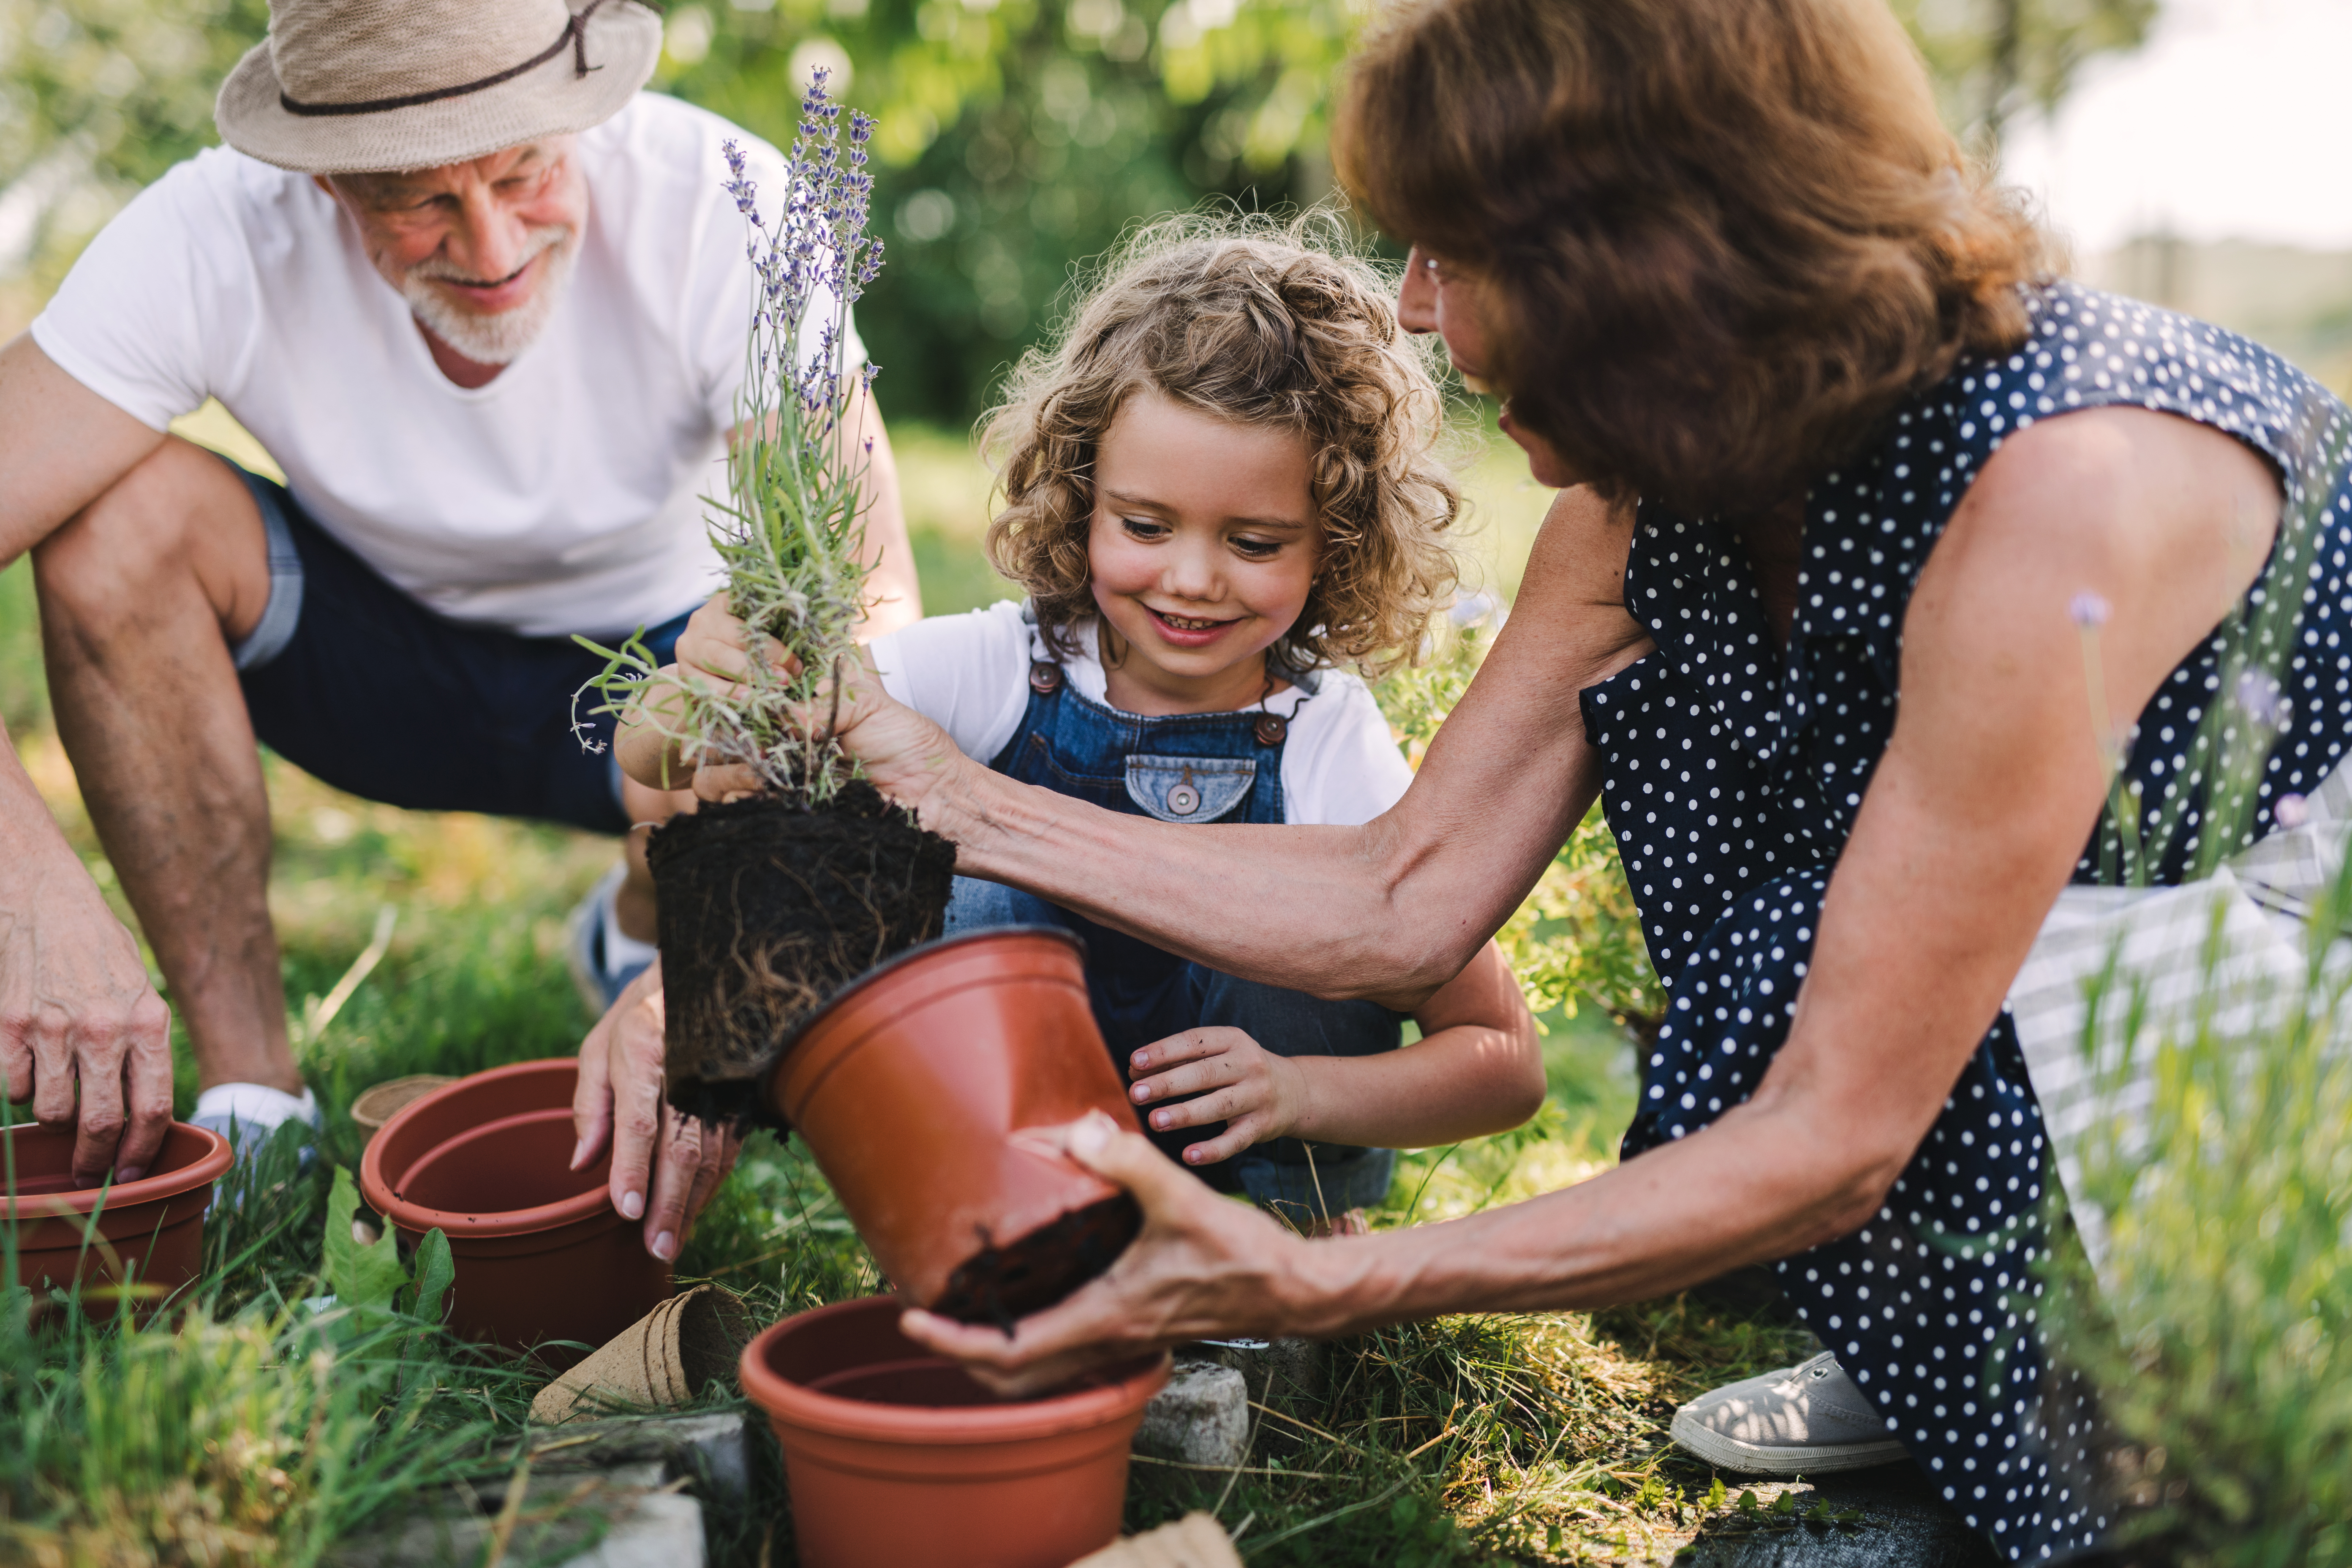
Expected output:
(1733, 773)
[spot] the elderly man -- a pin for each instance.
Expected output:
(487, 305)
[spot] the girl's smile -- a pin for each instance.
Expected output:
(1201, 552)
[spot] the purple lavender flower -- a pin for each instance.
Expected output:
(2291, 811)
(2261, 699)
(2089, 610)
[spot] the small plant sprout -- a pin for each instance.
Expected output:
(791, 526)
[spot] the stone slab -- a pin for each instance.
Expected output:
(1905, 1524)
(625, 1477)
(1200, 1417)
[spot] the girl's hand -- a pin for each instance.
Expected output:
(1203, 1268)
(1258, 1094)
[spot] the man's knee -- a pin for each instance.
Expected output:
(181, 518)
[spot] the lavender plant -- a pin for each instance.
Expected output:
(791, 525)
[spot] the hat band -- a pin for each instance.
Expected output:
(575, 34)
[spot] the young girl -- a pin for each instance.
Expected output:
(1220, 490)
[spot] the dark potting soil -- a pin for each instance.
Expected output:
(768, 910)
(1002, 1284)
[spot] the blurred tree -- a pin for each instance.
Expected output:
(1993, 58)
(98, 98)
(1015, 135)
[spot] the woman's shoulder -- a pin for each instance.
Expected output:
(2085, 348)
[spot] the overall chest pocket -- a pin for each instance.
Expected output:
(1188, 789)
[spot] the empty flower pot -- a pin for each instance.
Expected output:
(542, 1254)
(149, 1238)
(897, 1458)
(910, 1088)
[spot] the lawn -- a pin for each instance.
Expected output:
(253, 1431)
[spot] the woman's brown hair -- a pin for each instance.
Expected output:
(1726, 236)
(1258, 324)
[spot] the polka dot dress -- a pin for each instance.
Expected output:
(1733, 773)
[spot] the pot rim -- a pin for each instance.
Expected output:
(1128, 1386)
(882, 971)
(205, 1169)
(376, 1183)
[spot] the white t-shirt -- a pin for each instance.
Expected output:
(969, 675)
(563, 497)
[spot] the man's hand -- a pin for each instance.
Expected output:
(619, 1103)
(1258, 1094)
(1203, 1268)
(75, 1008)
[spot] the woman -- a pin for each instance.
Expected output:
(1832, 440)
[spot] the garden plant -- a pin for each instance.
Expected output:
(772, 903)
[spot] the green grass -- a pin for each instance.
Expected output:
(1469, 1439)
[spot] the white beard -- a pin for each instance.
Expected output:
(499, 339)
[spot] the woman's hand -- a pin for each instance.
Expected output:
(619, 1102)
(1258, 1094)
(1203, 1268)
(906, 755)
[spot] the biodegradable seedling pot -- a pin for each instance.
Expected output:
(541, 1252)
(660, 1362)
(766, 910)
(376, 1105)
(897, 1458)
(148, 1239)
(910, 1088)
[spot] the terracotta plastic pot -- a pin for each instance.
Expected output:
(909, 1088)
(150, 1236)
(895, 1459)
(542, 1254)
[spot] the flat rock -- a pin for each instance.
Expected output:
(602, 1494)
(1200, 1417)
(1905, 1524)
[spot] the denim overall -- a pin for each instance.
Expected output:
(1187, 767)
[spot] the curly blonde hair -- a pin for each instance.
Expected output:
(1262, 324)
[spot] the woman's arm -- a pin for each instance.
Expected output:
(1971, 825)
(1477, 1070)
(1391, 910)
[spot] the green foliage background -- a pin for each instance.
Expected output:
(1015, 136)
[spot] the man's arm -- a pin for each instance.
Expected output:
(72, 985)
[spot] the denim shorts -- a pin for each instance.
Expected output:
(363, 686)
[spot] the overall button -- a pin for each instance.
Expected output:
(1045, 678)
(1270, 729)
(1183, 800)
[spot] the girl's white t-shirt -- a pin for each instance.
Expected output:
(969, 675)
(565, 495)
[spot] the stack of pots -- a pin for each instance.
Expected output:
(148, 1240)
(912, 1089)
(542, 1255)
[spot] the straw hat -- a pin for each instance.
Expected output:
(343, 87)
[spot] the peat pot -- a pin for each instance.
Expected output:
(910, 1087)
(542, 1254)
(148, 1240)
(895, 1459)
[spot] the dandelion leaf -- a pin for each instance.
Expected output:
(360, 1275)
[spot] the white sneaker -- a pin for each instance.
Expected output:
(247, 1114)
(1803, 1420)
(603, 958)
